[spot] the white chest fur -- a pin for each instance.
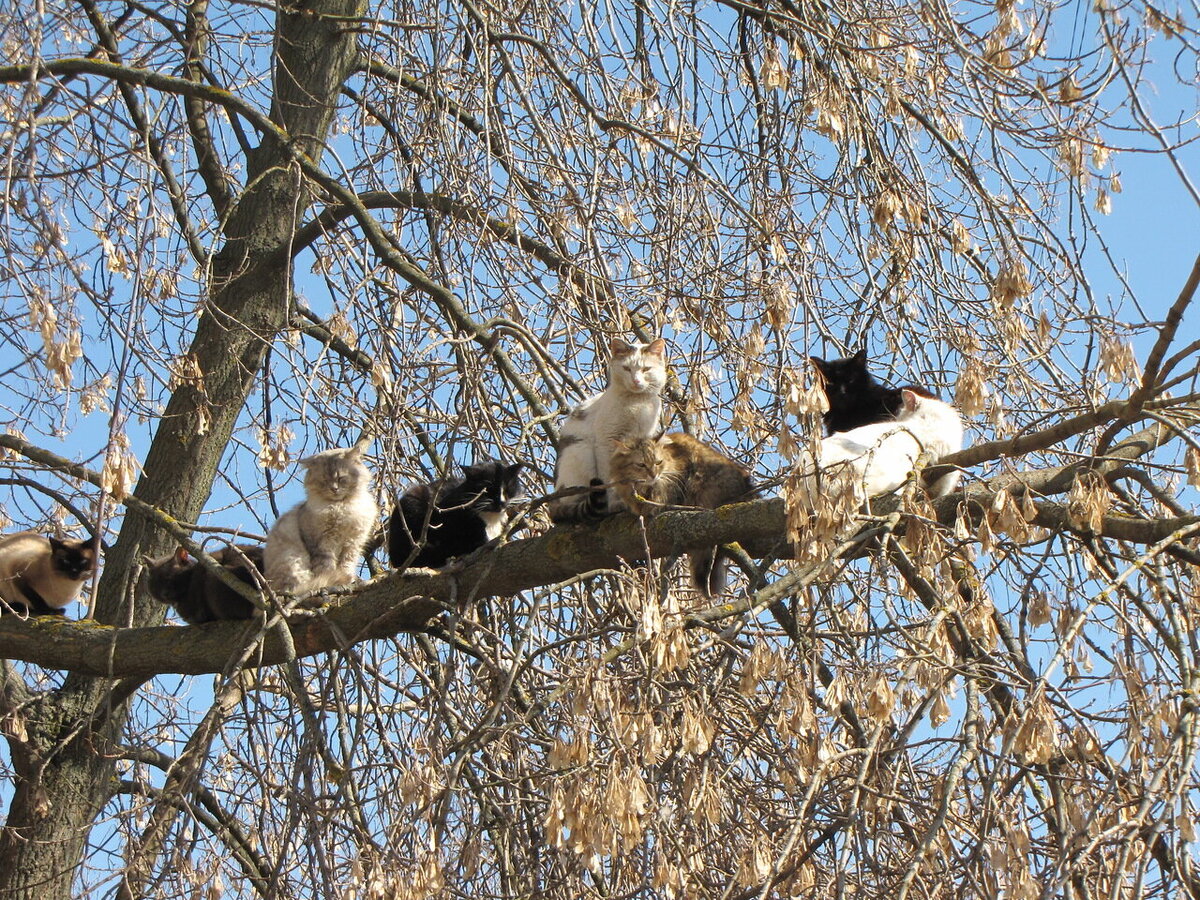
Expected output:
(493, 523)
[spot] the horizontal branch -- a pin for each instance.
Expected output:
(132, 75)
(398, 602)
(1038, 440)
(405, 602)
(1054, 434)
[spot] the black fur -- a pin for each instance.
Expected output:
(75, 562)
(197, 594)
(855, 397)
(34, 604)
(595, 507)
(442, 520)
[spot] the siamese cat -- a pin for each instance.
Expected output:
(628, 409)
(39, 576)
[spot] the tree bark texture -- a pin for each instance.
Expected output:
(68, 781)
(406, 601)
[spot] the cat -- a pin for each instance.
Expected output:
(855, 397)
(318, 543)
(40, 575)
(197, 594)
(629, 408)
(451, 518)
(881, 456)
(679, 470)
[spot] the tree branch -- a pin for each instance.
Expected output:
(405, 601)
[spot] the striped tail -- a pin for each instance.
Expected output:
(709, 571)
(587, 507)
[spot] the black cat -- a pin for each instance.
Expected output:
(855, 397)
(445, 519)
(196, 593)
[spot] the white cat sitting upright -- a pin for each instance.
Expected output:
(319, 542)
(881, 456)
(630, 408)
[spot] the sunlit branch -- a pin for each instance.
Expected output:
(214, 817)
(153, 144)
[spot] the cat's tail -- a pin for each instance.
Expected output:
(710, 571)
(584, 507)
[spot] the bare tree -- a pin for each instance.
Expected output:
(235, 233)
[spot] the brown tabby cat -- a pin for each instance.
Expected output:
(679, 470)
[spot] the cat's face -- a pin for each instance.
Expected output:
(494, 483)
(844, 379)
(639, 368)
(335, 474)
(638, 462)
(163, 569)
(74, 559)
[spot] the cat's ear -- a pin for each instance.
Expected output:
(619, 347)
(657, 347)
(514, 470)
(820, 365)
(860, 356)
(909, 400)
(181, 554)
(56, 545)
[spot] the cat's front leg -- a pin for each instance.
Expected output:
(329, 571)
(286, 560)
(322, 562)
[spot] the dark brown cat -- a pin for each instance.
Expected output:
(679, 470)
(196, 593)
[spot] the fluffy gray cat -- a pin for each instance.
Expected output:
(319, 543)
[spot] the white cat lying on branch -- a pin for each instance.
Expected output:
(876, 459)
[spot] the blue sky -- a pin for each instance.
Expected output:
(1153, 232)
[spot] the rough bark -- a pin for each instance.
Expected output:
(49, 820)
(405, 602)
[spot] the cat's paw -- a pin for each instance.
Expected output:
(456, 565)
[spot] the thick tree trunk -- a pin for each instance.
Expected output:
(62, 789)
